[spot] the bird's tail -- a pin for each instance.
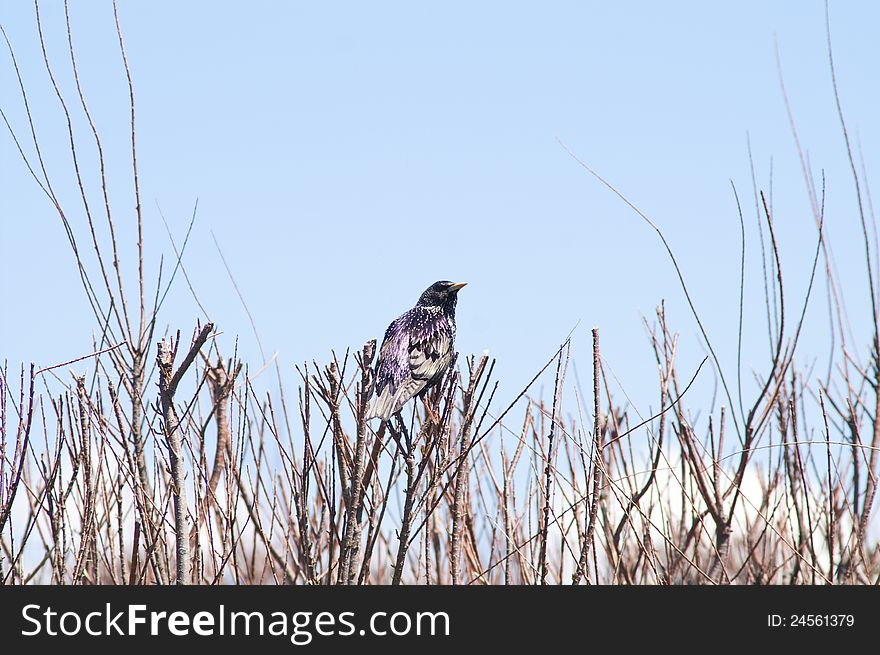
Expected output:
(382, 405)
(388, 403)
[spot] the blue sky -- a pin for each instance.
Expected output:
(346, 155)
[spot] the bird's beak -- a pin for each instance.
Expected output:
(457, 286)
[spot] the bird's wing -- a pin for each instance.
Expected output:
(392, 373)
(392, 368)
(430, 348)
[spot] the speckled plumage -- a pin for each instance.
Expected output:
(417, 350)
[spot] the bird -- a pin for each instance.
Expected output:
(417, 350)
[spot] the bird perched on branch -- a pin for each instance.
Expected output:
(417, 350)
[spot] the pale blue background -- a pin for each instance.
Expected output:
(346, 155)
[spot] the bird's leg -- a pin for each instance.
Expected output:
(432, 415)
(433, 398)
(397, 431)
(407, 438)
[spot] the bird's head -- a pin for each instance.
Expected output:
(441, 294)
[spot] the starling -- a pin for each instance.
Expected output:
(417, 350)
